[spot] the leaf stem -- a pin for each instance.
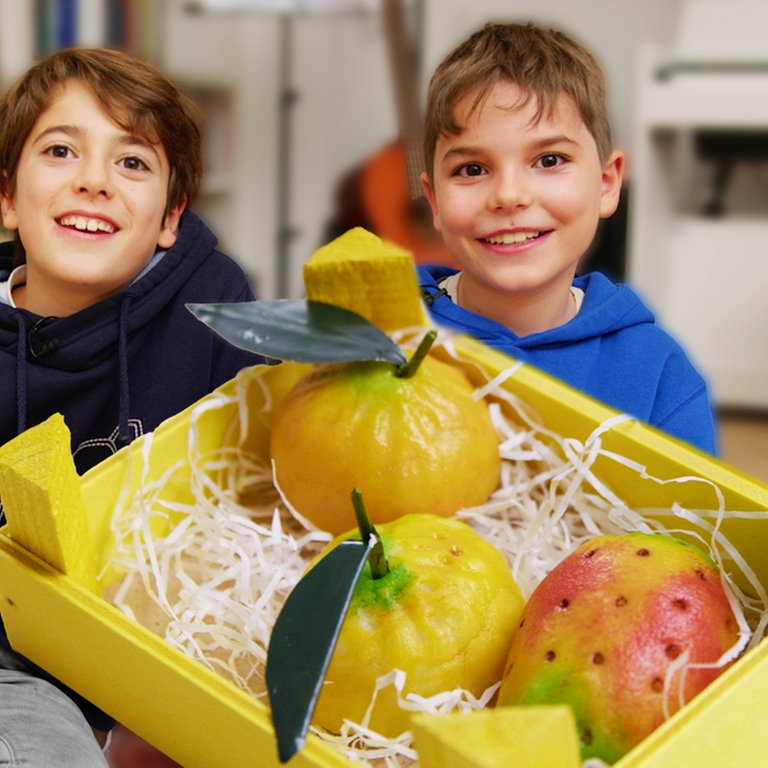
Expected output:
(406, 370)
(376, 557)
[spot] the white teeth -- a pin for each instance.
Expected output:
(84, 224)
(510, 238)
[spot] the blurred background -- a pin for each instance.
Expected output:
(311, 104)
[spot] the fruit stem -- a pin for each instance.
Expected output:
(376, 558)
(408, 369)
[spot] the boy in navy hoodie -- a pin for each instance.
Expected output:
(519, 170)
(100, 155)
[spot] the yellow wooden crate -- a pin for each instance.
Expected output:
(55, 616)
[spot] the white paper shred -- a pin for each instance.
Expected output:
(214, 584)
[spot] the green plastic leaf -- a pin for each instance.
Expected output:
(303, 640)
(299, 330)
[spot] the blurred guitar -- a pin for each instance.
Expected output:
(384, 195)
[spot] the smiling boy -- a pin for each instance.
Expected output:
(519, 170)
(100, 155)
(90, 200)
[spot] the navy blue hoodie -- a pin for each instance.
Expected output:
(118, 368)
(612, 350)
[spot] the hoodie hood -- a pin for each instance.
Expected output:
(612, 350)
(77, 342)
(607, 308)
(110, 367)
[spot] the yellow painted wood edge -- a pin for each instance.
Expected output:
(723, 725)
(365, 274)
(575, 414)
(42, 500)
(523, 737)
(99, 651)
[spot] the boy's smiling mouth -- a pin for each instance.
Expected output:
(87, 224)
(513, 238)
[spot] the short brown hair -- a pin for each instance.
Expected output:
(136, 95)
(545, 64)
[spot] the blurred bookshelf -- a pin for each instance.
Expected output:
(128, 25)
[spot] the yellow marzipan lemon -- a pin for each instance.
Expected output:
(420, 443)
(444, 614)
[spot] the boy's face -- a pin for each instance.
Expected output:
(89, 204)
(518, 201)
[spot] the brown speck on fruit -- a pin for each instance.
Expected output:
(598, 658)
(620, 601)
(590, 553)
(564, 603)
(672, 651)
(701, 574)
(586, 737)
(522, 621)
(456, 551)
(550, 655)
(643, 552)
(657, 685)
(681, 603)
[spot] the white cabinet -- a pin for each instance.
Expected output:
(705, 276)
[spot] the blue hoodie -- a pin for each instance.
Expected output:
(612, 350)
(118, 368)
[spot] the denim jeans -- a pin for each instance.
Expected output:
(40, 726)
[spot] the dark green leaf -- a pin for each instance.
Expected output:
(298, 330)
(303, 640)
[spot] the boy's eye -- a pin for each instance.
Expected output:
(59, 150)
(470, 169)
(134, 164)
(551, 161)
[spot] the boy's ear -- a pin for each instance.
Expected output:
(7, 206)
(429, 193)
(170, 227)
(613, 175)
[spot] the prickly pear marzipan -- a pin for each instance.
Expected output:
(602, 629)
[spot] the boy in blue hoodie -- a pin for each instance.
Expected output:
(519, 170)
(100, 156)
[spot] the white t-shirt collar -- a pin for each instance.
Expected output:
(17, 277)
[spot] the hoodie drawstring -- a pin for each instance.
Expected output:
(429, 297)
(124, 436)
(21, 375)
(33, 343)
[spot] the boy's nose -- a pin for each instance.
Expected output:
(510, 190)
(93, 177)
